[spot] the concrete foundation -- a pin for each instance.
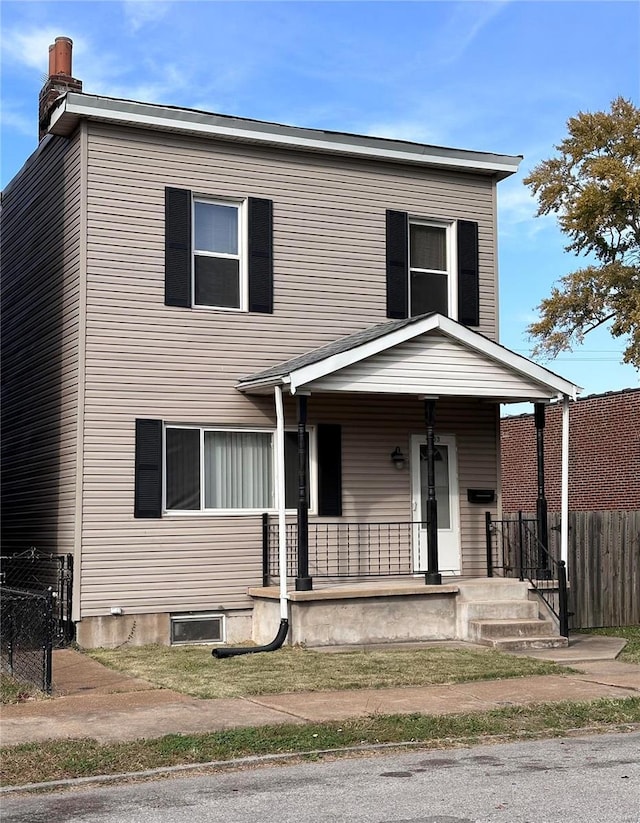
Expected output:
(344, 615)
(494, 611)
(403, 611)
(109, 631)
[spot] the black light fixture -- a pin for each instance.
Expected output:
(397, 458)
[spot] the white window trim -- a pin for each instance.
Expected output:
(450, 227)
(243, 249)
(203, 512)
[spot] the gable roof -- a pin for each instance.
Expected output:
(73, 107)
(332, 367)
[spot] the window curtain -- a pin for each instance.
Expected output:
(238, 470)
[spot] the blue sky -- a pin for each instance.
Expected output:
(490, 76)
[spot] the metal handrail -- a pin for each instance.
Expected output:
(551, 569)
(521, 554)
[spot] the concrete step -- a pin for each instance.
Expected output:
(493, 589)
(498, 610)
(497, 629)
(511, 644)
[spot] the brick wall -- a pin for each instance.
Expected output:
(604, 455)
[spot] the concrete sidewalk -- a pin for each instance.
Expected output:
(100, 703)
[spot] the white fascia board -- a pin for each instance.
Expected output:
(79, 106)
(466, 337)
(508, 358)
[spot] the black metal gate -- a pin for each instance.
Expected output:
(34, 571)
(36, 599)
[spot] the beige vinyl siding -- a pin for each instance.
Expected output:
(144, 359)
(430, 364)
(374, 490)
(40, 322)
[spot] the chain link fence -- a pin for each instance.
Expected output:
(26, 638)
(35, 614)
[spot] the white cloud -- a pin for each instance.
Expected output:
(139, 13)
(416, 131)
(467, 20)
(31, 48)
(517, 209)
(105, 79)
(14, 120)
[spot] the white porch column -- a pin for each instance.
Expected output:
(564, 483)
(280, 502)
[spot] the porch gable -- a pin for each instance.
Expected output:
(427, 355)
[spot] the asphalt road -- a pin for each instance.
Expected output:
(587, 780)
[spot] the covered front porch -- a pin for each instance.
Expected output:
(344, 571)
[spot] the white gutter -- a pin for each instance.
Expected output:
(280, 502)
(188, 121)
(564, 483)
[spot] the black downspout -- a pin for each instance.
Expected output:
(489, 543)
(276, 643)
(433, 576)
(541, 501)
(303, 582)
(266, 570)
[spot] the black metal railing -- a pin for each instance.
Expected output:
(345, 550)
(514, 550)
(40, 572)
(27, 636)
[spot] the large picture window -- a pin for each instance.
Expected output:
(219, 470)
(218, 278)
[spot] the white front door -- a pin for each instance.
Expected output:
(446, 477)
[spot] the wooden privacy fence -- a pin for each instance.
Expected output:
(603, 564)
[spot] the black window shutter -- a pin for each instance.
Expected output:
(260, 263)
(148, 470)
(329, 470)
(177, 247)
(468, 274)
(397, 264)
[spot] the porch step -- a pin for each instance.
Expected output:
(493, 589)
(488, 610)
(515, 644)
(514, 634)
(496, 629)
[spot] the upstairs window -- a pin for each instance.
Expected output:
(432, 266)
(218, 258)
(218, 253)
(430, 282)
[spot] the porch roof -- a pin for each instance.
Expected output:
(425, 355)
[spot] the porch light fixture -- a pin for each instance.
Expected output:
(397, 458)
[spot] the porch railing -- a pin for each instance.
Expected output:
(344, 549)
(514, 550)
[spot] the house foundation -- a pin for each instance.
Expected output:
(496, 612)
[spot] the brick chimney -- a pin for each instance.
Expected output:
(58, 81)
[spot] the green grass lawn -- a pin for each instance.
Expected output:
(631, 652)
(11, 691)
(192, 670)
(60, 759)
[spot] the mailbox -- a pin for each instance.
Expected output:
(483, 496)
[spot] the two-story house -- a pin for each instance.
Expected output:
(209, 319)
